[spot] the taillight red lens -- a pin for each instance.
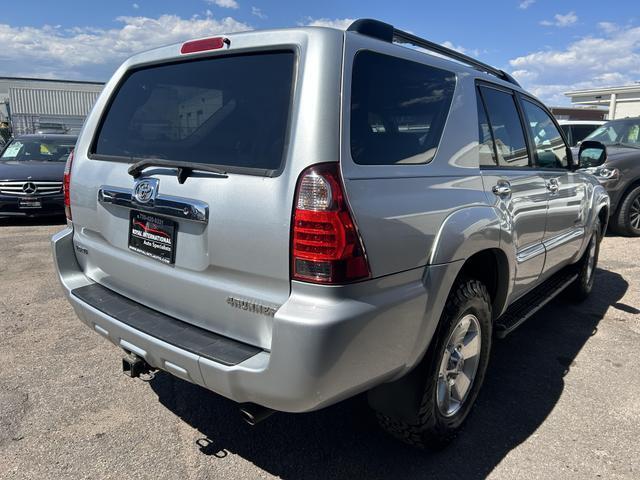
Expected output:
(66, 181)
(326, 247)
(203, 45)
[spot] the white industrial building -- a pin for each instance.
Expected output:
(31, 105)
(622, 101)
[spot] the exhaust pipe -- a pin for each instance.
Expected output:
(254, 414)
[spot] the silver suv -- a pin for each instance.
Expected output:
(292, 217)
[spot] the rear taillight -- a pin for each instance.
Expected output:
(326, 247)
(66, 181)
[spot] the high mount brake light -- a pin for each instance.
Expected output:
(66, 182)
(326, 247)
(205, 44)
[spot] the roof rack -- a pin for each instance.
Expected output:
(388, 33)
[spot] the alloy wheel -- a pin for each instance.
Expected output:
(634, 213)
(459, 365)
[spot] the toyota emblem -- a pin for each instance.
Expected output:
(29, 188)
(145, 190)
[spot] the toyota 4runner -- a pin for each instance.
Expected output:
(292, 217)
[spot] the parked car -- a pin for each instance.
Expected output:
(577, 130)
(613, 156)
(31, 170)
(289, 218)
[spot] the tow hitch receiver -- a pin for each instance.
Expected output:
(133, 366)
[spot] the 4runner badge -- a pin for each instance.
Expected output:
(252, 307)
(145, 190)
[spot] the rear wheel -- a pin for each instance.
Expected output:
(457, 362)
(627, 220)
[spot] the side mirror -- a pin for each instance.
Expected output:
(591, 154)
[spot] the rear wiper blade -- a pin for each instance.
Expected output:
(185, 169)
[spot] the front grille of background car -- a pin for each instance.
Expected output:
(41, 188)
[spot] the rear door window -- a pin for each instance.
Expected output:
(487, 156)
(511, 146)
(398, 109)
(231, 111)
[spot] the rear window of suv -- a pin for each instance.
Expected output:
(231, 111)
(398, 109)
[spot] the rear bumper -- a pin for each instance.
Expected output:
(328, 343)
(51, 205)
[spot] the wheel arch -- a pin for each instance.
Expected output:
(491, 267)
(488, 265)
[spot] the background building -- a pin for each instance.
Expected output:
(579, 113)
(622, 101)
(31, 105)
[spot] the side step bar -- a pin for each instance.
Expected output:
(533, 301)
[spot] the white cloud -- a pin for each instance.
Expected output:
(459, 48)
(135, 6)
(93, 53)
(340, 23)
(608, 27)
(560, 20)
(524, 4)
(611, 59)
(225, 3)
(258, 12)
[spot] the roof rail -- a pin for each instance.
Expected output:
(388, 33)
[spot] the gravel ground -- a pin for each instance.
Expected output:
(561, 400)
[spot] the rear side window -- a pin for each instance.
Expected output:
(506, 127)
(230, 111)
(398, 109)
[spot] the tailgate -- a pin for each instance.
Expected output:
(214, 250)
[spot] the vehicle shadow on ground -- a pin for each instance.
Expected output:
(524, 383)
(32, 221)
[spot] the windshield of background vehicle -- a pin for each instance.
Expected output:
(38, 150)
(619, 132)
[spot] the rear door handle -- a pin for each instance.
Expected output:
(502, 188)
(552, 185)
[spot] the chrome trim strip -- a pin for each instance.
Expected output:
(19, 183)
(36, 194)
(563, 238)
(534, 250)
(529, 252)
(167, 205)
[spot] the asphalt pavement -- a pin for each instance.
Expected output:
(561, 398)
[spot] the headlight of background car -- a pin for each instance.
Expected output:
(604, 172)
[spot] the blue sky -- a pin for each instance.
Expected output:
(550, 46)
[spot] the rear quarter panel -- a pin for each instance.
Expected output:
(399, 209)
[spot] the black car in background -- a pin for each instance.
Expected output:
(31, 172)
(612, 154)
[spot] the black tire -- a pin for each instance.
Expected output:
(583, 285)
(627, 219)
(432, 429)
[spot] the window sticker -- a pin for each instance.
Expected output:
(12, 150)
